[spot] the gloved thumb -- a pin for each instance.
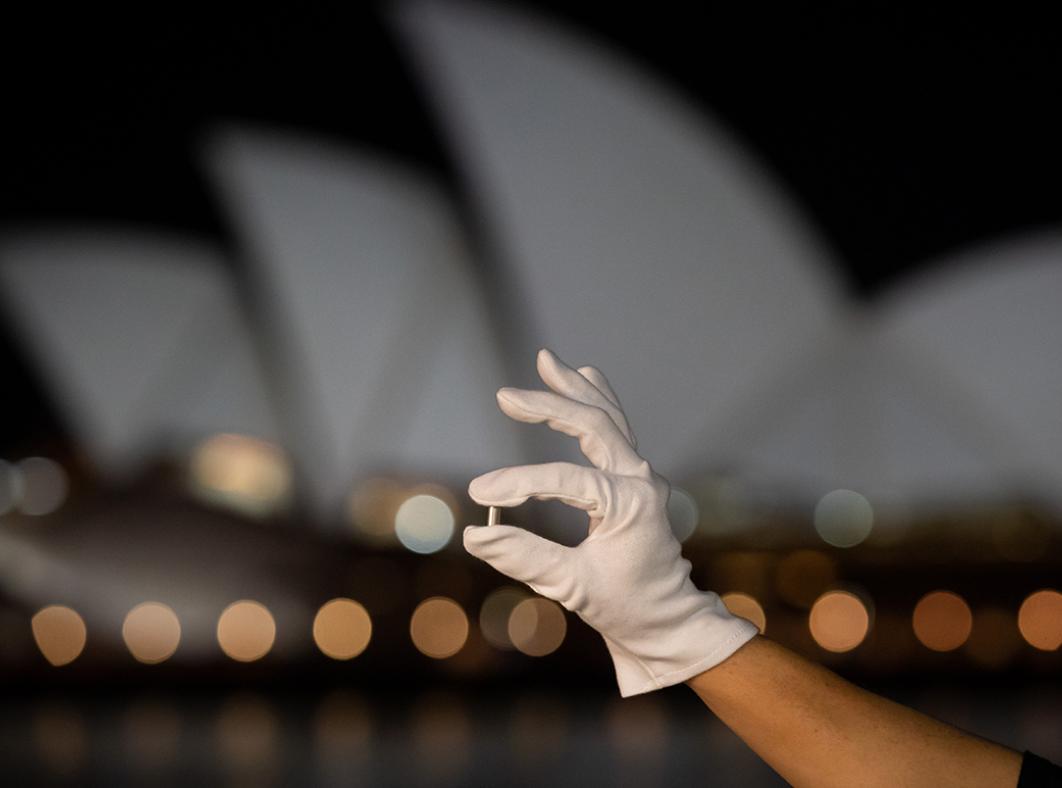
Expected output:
(524, 556)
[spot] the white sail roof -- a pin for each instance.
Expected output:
(864, 414)
(988, 325)
(376, 321)
(638, 236)
(140, 340)
(946, 393)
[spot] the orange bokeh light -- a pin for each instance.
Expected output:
(60, 634)
(152, 632)
(537, 626)
(839, 621)
(1040, 620)
(246, 630)
(342, 628)
(942, 621)
(746, 607)
(439, 627)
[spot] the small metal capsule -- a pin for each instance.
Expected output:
(493, 515)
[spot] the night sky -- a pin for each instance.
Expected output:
(903, 134)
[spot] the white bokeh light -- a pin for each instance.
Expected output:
(843, 518)
(249, 475)
(43, 485)
(683, 513)
(424, 524)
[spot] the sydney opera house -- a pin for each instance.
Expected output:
(234, 466)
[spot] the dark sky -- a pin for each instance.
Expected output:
(903, 133)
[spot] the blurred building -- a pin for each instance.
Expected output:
(234, 555)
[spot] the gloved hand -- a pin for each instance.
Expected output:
(627, 579)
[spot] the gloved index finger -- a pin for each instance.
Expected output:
(599, 437)
(575, 485)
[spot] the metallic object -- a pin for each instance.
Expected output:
(493, 515)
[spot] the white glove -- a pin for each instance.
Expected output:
(627, 579)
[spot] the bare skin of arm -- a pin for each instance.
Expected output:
(816, 729)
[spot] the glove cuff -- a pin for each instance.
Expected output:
(702, 642)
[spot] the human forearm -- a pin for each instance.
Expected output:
(815, 728)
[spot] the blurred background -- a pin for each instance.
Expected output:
(261, 275)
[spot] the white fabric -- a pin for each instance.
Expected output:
(627, 579)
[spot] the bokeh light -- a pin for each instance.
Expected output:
(839, 621)
(843, 518)
(747, 607)
(342, 628)
(537, 626)
(249, 475)
(246, 630)
(371, 508)
(683, 513)
(725, 504)
(424, 523)
(60, 634)
(494, 615)
(42, 486)
(439, 627)
(942, 621)
(803, 575)
(1040, 619)
(151, 632)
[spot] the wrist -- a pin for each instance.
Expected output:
(710, 683)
